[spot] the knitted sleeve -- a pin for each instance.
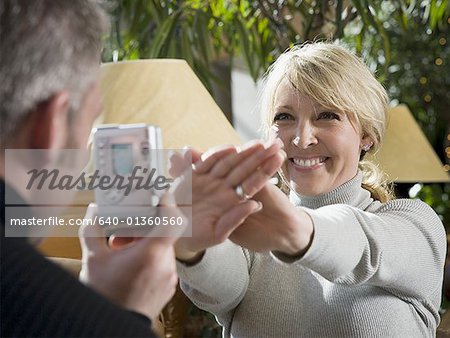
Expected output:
(400, 247)
(219, 281)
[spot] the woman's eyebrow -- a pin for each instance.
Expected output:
(283, 106)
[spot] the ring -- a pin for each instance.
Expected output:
(239, 190)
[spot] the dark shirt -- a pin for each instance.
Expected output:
(39, 299)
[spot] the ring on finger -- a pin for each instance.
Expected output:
(239, 190)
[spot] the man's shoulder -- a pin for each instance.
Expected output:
(33, 289)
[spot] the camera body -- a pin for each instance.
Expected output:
(130, 156)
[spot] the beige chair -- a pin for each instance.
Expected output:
(443, 330)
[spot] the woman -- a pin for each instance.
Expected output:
(339, 256)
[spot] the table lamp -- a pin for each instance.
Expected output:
(406, 155)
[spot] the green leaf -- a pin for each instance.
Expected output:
(359, 40)
(402, 17)
(362, 12)
(437, 12)
(246, 47)
(202, 37)
(155, 11)
(339, 27)
(186, 47)
(162, 34)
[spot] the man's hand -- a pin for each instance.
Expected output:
(141, 277)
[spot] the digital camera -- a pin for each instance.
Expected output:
(128, 169)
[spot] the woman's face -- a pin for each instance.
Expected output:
(323, 147)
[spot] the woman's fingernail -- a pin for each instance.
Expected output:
(278, 140)
(248, 145)
(259, 207)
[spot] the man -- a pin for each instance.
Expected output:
(50, 55)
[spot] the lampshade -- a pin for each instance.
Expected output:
(406, 155)
(166, 93)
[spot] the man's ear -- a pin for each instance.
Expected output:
(48, 125)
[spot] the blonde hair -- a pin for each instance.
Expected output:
(336, 79)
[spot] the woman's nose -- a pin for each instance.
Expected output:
(304, 138)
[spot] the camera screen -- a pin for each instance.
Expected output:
(122, 157)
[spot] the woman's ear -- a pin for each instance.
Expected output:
(48, 123)
(366, 143)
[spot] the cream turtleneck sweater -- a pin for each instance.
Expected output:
(372, 270)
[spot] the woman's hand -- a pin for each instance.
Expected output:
(216, 208)
(278, 226)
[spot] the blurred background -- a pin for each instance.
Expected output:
(229, 44)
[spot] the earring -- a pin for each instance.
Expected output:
(366, 147)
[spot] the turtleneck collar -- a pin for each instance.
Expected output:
(350, 193)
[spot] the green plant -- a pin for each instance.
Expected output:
(201, 31)
(416, 73)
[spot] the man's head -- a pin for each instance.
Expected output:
(50, 56)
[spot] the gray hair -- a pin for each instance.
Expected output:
(46, 46)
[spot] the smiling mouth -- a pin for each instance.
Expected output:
(308, 163)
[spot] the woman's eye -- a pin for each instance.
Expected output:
(281, 117)
(328, 116)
